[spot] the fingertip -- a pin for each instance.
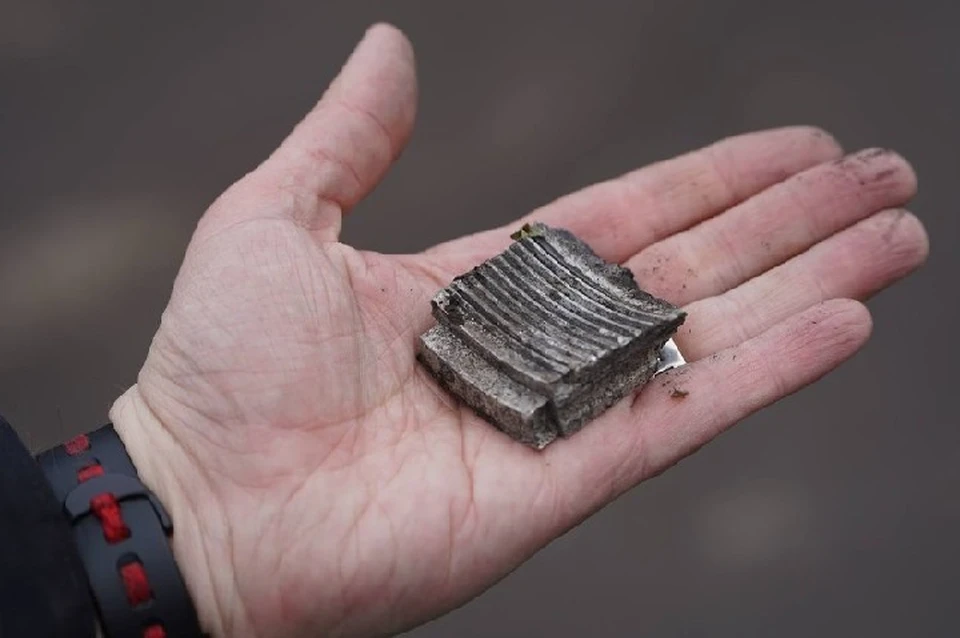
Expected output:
(381, 74)
(885, 168)
(385, 47)
(384, 34)
(909, 176)
(901, 237)
(823, 143)
(922, 245)
(866, 321)
(835, 329)
(383, 28)
(812, 143)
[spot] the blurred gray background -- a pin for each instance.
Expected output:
(835, 513)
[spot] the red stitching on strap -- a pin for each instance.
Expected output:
(136, 584)
(90, 471)
(77, 445)
(106, 508)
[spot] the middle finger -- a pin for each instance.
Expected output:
(766, 230)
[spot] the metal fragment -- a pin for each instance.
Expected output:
(545, 336)
(670, 357)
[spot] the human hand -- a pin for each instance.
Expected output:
(321, 482)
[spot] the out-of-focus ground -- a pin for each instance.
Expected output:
(836, 513)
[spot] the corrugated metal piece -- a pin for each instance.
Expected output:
(545, 336)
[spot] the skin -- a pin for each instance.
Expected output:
(321, 482)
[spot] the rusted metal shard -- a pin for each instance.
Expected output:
(546, 336)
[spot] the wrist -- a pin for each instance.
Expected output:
(167, 468)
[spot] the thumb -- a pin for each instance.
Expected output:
(344, 146)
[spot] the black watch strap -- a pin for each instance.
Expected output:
(121, 531)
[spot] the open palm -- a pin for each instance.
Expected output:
(321, 481)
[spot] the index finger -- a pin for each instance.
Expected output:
(619, 217)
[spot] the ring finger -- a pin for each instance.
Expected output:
(854, 263)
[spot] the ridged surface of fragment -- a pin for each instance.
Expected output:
(545, 336)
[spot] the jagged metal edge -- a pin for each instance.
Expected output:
(670, 357)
